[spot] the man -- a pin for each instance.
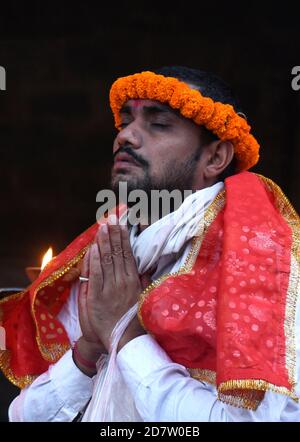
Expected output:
(216, 337)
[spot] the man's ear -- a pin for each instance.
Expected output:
(219, 155)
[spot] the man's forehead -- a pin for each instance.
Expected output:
(140, 103)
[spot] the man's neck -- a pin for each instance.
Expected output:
(142, 227)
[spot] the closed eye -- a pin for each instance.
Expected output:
(122, 125)
(159, 125)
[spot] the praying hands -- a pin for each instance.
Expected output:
(112, 288)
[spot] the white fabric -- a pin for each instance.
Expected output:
(159, 389)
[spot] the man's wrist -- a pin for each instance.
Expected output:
(133, 331)
(86, 354)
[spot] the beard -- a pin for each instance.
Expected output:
(177, 175)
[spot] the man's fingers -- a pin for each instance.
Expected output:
(82, 300)
(116, 249)
(85, 272)
(95, 283)
(106, 258)
(83, 289)
(129, 261)
(71, 275)
(85, 264)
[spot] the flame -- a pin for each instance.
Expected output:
(47, 257)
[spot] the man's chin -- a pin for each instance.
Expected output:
(123, 174)
(120, 179)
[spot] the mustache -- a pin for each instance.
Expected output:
(133, 154)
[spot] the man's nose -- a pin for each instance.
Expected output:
(129, 136)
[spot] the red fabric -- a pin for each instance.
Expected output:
(227, 314)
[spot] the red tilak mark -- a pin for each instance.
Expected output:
(136, 103)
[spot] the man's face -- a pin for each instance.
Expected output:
(156, 148)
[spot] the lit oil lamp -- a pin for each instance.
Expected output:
(33, 272)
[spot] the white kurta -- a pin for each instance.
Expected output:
(163, 391)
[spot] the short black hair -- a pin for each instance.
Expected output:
(212, 86)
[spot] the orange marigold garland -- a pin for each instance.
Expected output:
(219, 118)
